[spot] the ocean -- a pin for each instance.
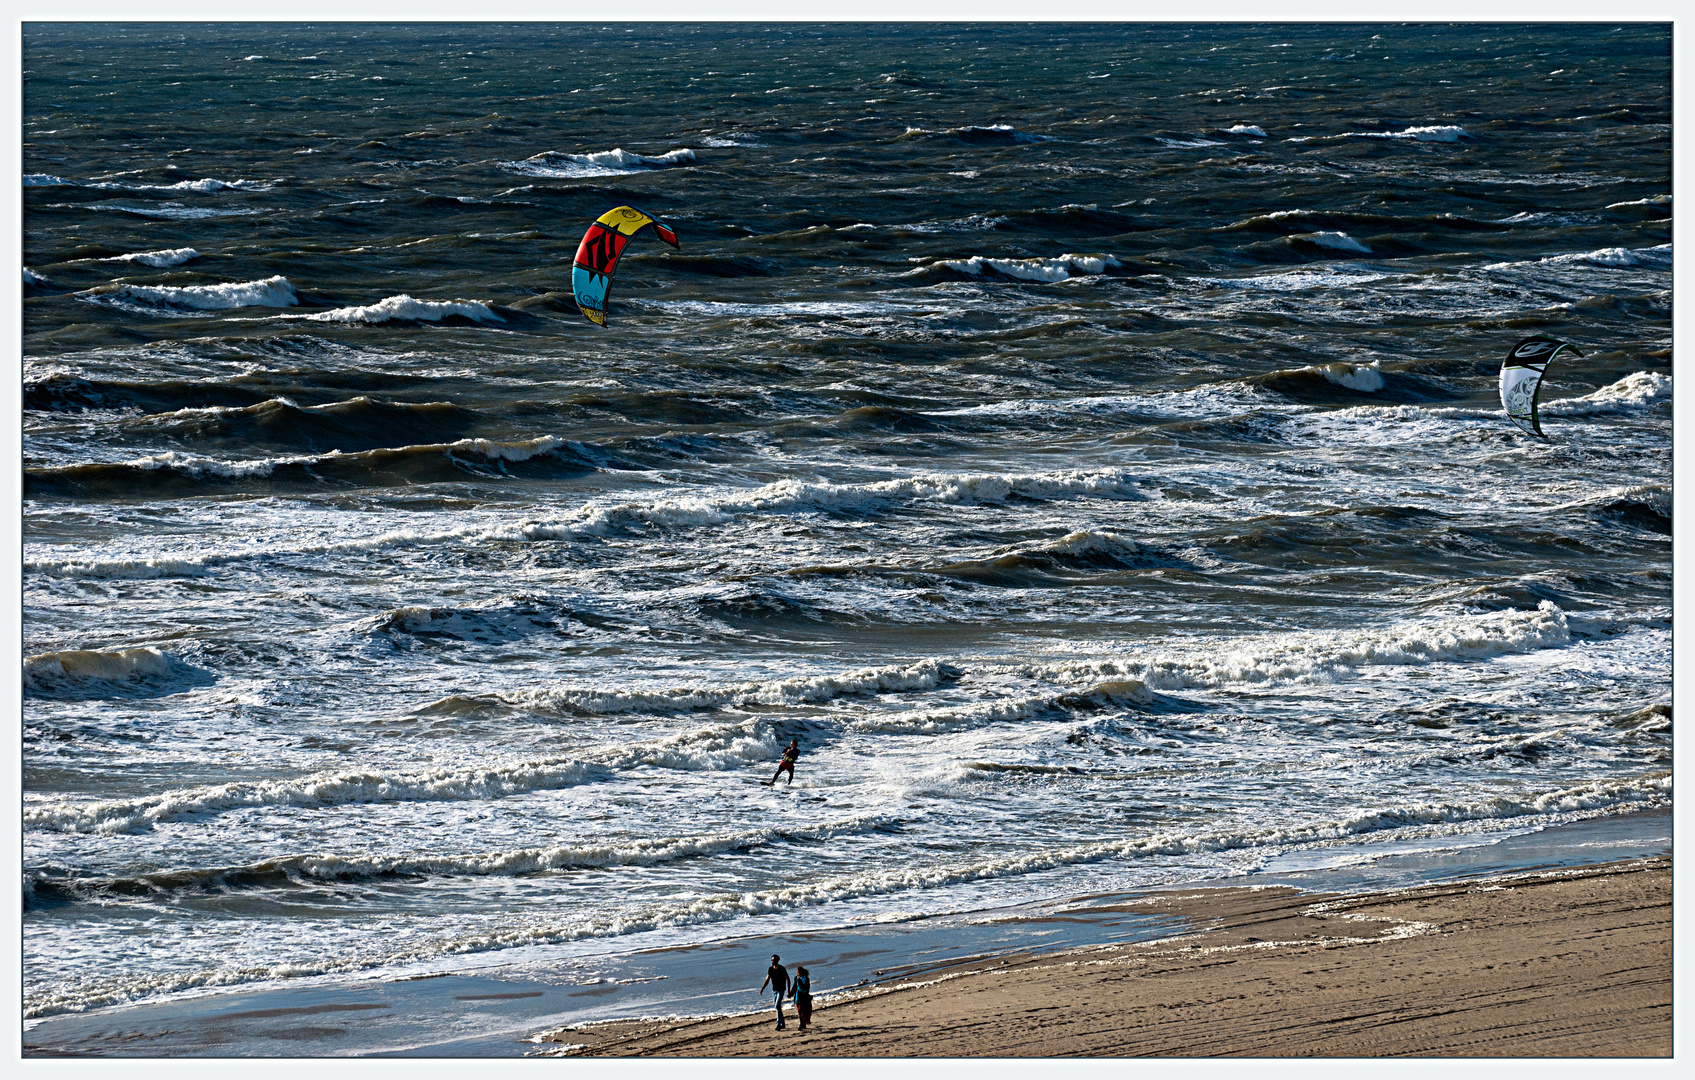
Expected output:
(1084, 439)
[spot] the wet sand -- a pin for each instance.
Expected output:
(1562, 963)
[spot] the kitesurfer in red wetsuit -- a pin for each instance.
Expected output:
(788, 763)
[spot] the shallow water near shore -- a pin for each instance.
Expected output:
(504, 1011)
(1085, 443)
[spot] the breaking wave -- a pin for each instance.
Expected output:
(1633, 392)
(1061, 268)
(171, 470)
(90, 673)
(406, 308)
(599, 518)
(1324, 656)
(1591, 799)
(309, 869)
(1611, 258)
(924, 675)
(171, 299)
(552, 163)
(316, 790)
(1446, 133)
(161, 259)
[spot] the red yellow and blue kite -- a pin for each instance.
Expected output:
(597, 257)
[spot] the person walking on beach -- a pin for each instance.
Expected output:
(803, 995)
(788, 763)
(778, 977)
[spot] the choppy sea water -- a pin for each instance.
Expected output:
(1083, 439)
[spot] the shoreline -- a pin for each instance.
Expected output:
(1572, 962)
(507, 1009)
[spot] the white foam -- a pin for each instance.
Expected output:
(123, 569)
(1188, 144)
(918, 876)
(1087, 542)
(957, 718)
(204, 186)
(1245, 129)
(1049, 270)
(979, 129)
(1654, 495)
(1365, 378)
(1295, 280)
(612, 162)
(33, 278)
(1000, 129)
(733, 138)
(177, 212)
(1652, 200)
(1320, 657)
(161, 258)
(1428, 133)
(523, 861)
(314, 790)
(268, 292)
(1613, 257)
(198, 466)
(46, 180)
(1336, 241)
(1633, 392)
(924, 675)
(598, 518)
(405, 307)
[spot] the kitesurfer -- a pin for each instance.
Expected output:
(788, 762)
(778, 977)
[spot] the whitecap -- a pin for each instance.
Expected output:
(1048, 270)
(1335, 241)
(162, 258)
(405, 307)
(1365, 378)
(1319, 657)
(1609, 258)
(1632, 393)
(811, 689)
(1652, 200)
(274, 291)
(552, 163)
(1429, 133)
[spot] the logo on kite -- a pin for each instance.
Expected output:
(1534, 347)
(597, 256)
(1521, 379)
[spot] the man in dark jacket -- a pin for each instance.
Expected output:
(778, 977)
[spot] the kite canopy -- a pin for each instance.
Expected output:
(1521, 379)
(597, 256)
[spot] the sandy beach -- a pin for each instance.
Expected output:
(1561, 963)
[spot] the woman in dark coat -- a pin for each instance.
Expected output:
(803, 996)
